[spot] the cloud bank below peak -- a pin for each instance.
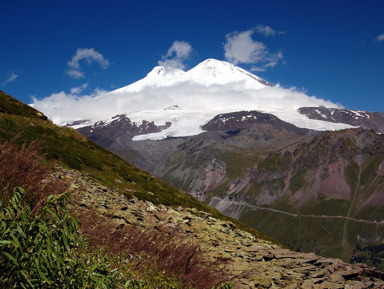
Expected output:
(194, 100)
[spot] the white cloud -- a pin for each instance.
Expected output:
(88, 54)
(75, 73)
(11, 78)
(273, 59)
(79, 89)
(267, 30)
(64, 107)
(380, 37)
(197, 105)
(176, 55)
(241, 48)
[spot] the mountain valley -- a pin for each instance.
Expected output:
(288, 177)
(321, 181)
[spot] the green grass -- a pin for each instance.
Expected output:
(299, 233)
(330, 207)
(74, 151)
(238, 162)
(12, 106)
(275, 161)
(297, 181)
(370, 168)
(351, 173)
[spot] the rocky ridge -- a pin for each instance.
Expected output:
(248, 261)
(119, 129)
(364, 119)
(236, 121)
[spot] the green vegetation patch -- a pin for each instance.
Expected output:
(305, 234)
(371, 213)
(38, 248)
(372, 254)
(10, 105)
(297, 181)
(275, 161)
(370, 168)
(237, 162)
(327, 207)
(351, 173)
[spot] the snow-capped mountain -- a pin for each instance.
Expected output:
(195, 96)
(255, 151)
(262, 147)
(207, 73)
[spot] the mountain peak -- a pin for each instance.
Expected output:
(209, 72)
(164, 72)
(211, 62)
(213, 71)
(157, 77)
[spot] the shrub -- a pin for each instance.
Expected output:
(38, 248)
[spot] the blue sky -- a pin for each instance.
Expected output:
(331, 49)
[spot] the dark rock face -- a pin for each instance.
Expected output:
(364, 119)
(232, 123)
(121, 128)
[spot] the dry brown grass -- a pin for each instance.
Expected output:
(25, 167)
(169, 251)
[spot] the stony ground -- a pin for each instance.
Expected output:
(248, 261)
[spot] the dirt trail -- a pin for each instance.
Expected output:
(314, 216)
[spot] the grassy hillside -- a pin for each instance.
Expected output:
(31, 147)
(39, 245)
(66, 146)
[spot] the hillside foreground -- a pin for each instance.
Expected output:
(247, 261)
(149, 230)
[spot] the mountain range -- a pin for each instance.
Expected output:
(303, 170)
(188, 100)
(138, 232)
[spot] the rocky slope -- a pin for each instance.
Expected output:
(364, 119)
(246, 260)
(252, 165)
